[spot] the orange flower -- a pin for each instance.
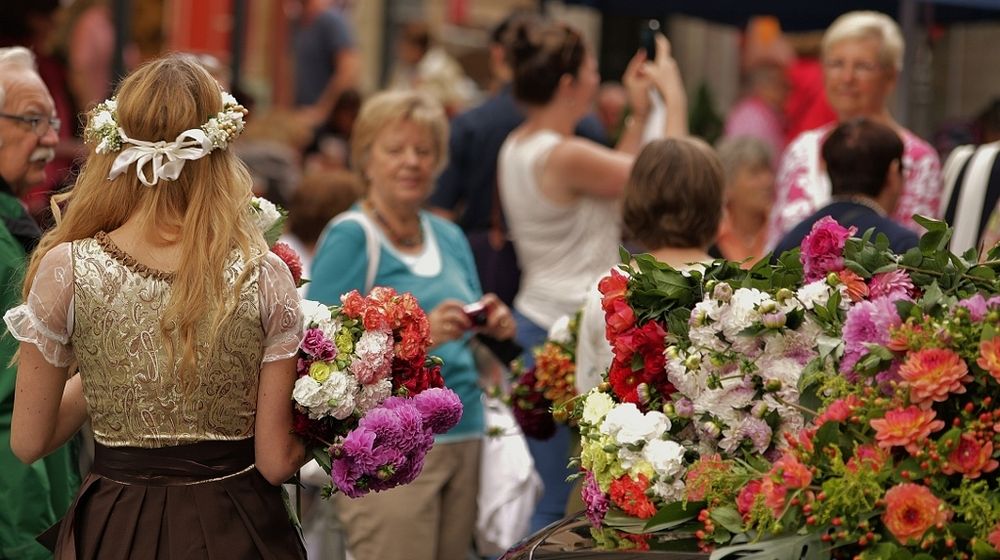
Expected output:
(907, 336)
(856, 287)
(971, 458)
(867, 456)
(555, 373)
(700, 475)
(908, 428)
(933, 374)
(994, 537)
(791, 472)
(910, 510)
(989, 356)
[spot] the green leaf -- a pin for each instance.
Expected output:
(981, 550)
(796, 547)
(930, 242)
(672, 515)
(729, 518)
(930, 224)
(616, 519)
(913, 258)
(322, 457)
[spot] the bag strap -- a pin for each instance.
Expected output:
(372, 245)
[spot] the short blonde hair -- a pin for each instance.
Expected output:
(385, 109)
(867, 24)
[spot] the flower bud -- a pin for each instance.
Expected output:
(772, 385)
(672, 352)
(784, 294)
(643, 392)
(699, 318)
(604, 387)
(722, 292)
(710, 286)
(712, 429)
(669, 410)
(832, 279)
(692, 362)
(767, 307)
(760, 409)
(774, 320)
(684, 408)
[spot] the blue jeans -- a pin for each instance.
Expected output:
(551, 455)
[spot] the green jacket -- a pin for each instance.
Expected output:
(35, 496)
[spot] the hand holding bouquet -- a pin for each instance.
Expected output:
(368, 399)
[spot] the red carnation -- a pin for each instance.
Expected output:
(291, 260)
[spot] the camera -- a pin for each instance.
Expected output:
(648, 37)
(477, 313)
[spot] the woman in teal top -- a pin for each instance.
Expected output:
(399, 144)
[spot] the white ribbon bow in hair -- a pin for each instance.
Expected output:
(191, 144)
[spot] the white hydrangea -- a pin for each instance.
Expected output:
(596, 406)
(627, 425)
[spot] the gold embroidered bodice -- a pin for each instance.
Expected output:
(130, 383)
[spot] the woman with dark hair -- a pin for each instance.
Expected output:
(561, 193)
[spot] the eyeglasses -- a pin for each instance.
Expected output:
(39, 125)
(862, 69)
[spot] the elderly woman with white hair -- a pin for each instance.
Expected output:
(862, 56)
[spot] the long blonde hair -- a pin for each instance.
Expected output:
(206, 207)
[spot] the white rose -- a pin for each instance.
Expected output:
(266, 213)
(314, 312)
(627, 425)
(102, 119)
(596, 407)
(666, 457)
(228, 99)
(111, 104)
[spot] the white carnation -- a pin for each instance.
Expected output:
(669, 492)
(337, 393)
(315, 313)
(741, 311)
(306, 392)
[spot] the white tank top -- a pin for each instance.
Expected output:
(561, 248)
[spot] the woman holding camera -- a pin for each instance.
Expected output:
(561, 194)
(399, 144)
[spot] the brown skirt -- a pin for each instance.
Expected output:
(204, 500)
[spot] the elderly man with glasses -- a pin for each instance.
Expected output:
(34, 496)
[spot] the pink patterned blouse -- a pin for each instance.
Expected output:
(802, 188)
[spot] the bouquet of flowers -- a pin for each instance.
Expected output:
(368, 399)
(543, 395)
(893, 361)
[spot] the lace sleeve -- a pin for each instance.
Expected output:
(280, 310)
(46, 319)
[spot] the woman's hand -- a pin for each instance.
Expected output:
(448, 322)
(637, 84)
(499, 320)
(666, 76)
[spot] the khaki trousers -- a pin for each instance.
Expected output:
(432, 518)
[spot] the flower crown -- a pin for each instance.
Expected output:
(166, 159)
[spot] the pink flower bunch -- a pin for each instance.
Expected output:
(823, 249)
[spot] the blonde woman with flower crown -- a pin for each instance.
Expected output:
(183, 326)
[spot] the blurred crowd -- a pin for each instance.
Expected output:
(517, 196)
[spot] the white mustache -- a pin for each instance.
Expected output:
(42, 154)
